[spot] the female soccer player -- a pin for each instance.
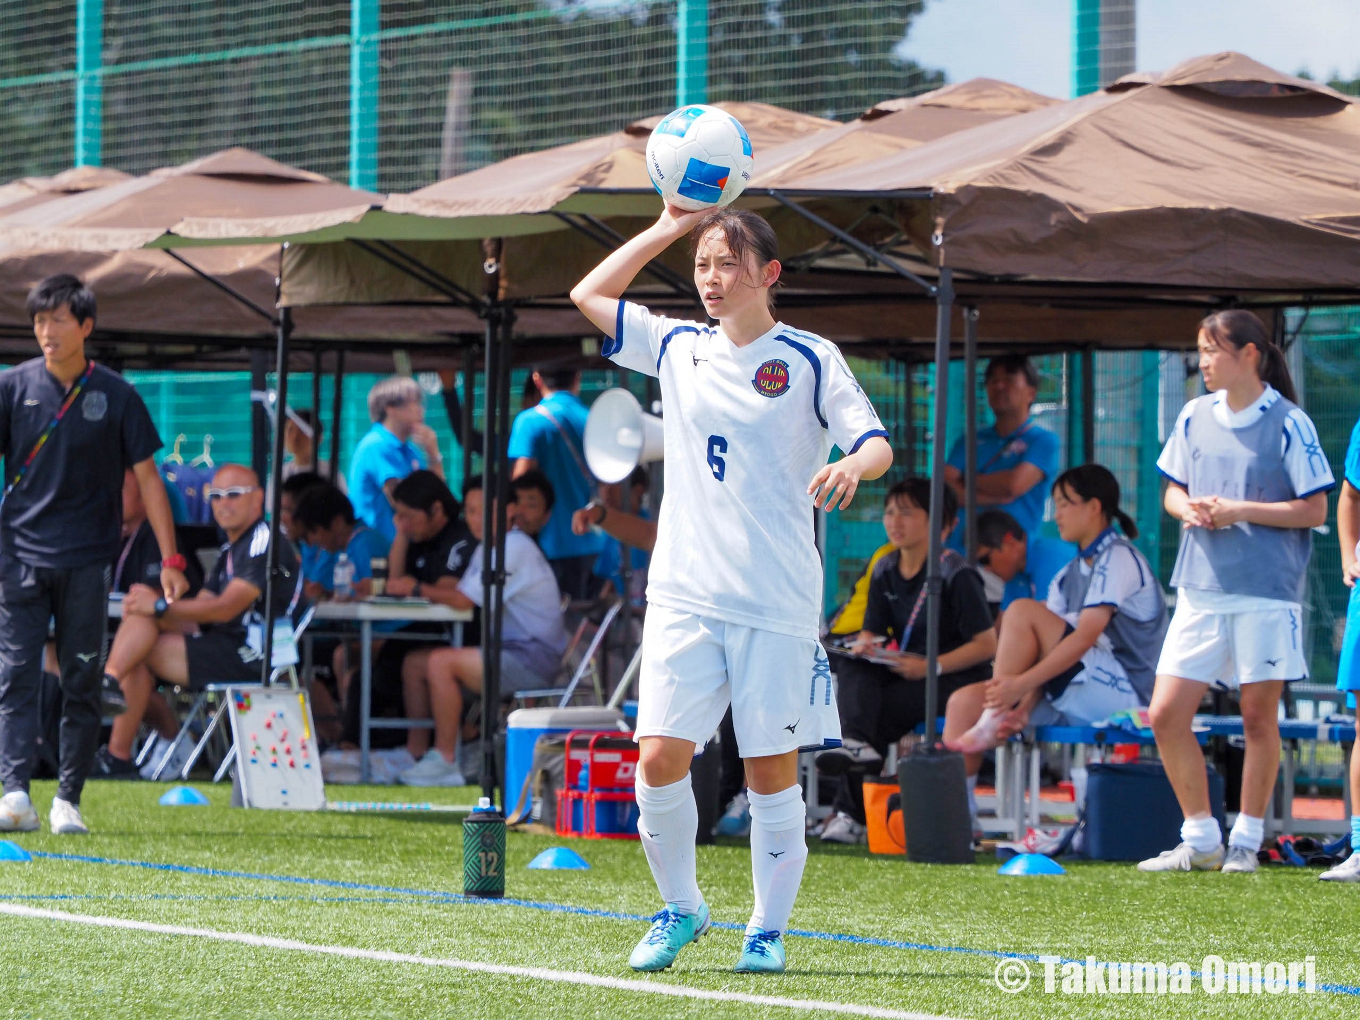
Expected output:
(1087, 653)
(752, 410)
(1247, 479)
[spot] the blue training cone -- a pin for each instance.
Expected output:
(183, 796)
(12, 851)
(559, 858)
(1031, 864)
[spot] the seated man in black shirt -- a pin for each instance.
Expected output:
(139, 562)
(884, 699)
(427, 559)
(217, 635)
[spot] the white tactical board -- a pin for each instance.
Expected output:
(278, 763)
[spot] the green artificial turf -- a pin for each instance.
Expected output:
(54, 969)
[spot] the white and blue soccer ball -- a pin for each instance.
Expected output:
(699, 157)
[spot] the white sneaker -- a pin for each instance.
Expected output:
(340, 766)
(65, 819)
(841, 828)
(17, 814)
(385, 766)
(1239, 860)
(1185, 858)
(433, 770)
(1347, 871)
(170, 774)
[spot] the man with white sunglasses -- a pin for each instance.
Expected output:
(217, 635)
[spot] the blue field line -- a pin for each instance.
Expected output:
(439, 896)
(179, 898)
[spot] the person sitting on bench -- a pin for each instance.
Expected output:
(1090, 651)
(883, 699)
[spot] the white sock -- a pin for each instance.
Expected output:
(1247, 832)
(668, 820)
(778, 853)
(971, 782)
(1202, 833)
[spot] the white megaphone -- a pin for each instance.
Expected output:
(620, 436)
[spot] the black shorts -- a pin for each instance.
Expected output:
(1054, 688)
(215, 657)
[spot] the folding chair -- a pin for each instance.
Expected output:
(199, 711)
(587, 663)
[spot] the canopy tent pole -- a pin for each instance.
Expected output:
(855, 244)
(607, 237)
(944, 303)
(224, 288)
(970, 411)
(492, 509)
(276, 488)
(337, 413)
(504, 365)
(405, 262)
(1088, 405)
(259, 414)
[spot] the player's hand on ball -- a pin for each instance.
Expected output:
(834, 482)
(677, 221)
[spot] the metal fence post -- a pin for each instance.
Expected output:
(89, 82)
(363, 94)
(691, 52)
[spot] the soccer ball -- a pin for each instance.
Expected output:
(699, 157)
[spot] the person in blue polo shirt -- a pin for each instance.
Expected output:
(1015, 457)
(1025, 563)
(398, 443)
(548, 436)
(326, 525)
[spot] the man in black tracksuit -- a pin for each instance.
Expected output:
(68, 430)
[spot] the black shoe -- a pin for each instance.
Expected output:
(107, 766)
(851, 756)
(111, 698)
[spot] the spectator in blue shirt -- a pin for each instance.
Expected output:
(398, 443)
(548, 436)
(1026, 564)
(325, 522)
(1016, 459)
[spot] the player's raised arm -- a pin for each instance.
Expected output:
(599, 293)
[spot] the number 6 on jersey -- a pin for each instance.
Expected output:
(717, 445)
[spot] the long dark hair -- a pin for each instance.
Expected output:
(1239, 327)
(745, 231)
(1094, 481)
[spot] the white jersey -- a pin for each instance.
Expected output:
(746, 428)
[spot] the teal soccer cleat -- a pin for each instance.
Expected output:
(762, 952)
(671, 931)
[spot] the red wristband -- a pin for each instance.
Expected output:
(176, 562)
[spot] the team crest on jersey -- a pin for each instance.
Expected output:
(772, 378)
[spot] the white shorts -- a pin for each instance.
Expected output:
(1100, 690)
(1231, 649)
(779, 687)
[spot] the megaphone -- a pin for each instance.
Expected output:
(620, 435)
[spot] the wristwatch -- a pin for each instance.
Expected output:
(160, 607)
(595, 504)
(415, 590)
(175, 562)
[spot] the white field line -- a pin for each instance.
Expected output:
(570, 977)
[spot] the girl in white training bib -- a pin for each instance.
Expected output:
(1247, 479)
(752, 409)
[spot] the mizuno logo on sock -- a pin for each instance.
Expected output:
(777, 854)
(653, 834)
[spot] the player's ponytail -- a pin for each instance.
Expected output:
(1239, 327)
(1094, 481)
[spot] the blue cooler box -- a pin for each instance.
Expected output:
(526, 725)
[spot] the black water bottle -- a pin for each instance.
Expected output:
(484, 851)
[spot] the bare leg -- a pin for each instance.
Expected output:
(771, 774)
(961, 713)
(1030, 632)
(415, 690)
(136, 636)
(450, 672)
(325, 712)
(159, 716)
(1174, 703)
(1261, 727)
(136, 683)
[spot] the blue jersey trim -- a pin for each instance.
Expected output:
(1173, 478)
(665, 340)
(614, 345)
(1313, 492)
(816, 364)
(866, 437)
